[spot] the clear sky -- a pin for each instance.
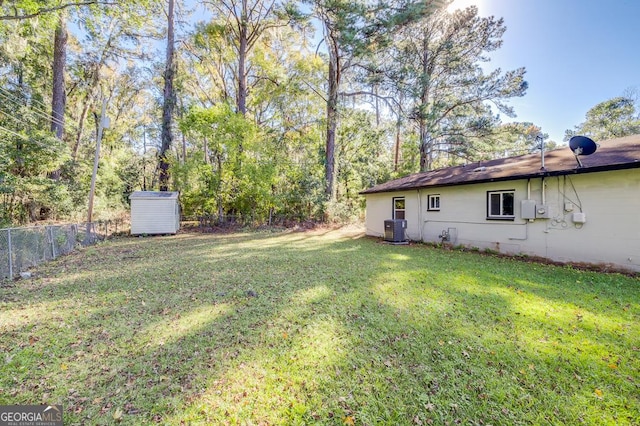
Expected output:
(577, 53)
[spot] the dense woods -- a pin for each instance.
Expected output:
(259, 108)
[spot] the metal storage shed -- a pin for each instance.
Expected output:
(154, 212)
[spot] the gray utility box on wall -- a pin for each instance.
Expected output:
(530, 210)
(394, 230)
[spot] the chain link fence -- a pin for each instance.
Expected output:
(23, 248)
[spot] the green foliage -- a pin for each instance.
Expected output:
(28, 194)
(436, 65)
(239, 177)
(363, 158)
(25, 83)
(610, 119)
(199, 187)
(516, 138)
(281, 173)
(271, 161)
(409, 156)
(244, 171)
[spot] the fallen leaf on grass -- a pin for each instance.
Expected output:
(349, 421)
(598, 393)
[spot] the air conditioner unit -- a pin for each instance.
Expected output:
(394, 230)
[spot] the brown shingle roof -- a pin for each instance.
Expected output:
(612, 154)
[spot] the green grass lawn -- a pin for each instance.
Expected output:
(322, 327)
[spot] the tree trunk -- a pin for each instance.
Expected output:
(425, 151)
(377, 105)
(58, 97)
(183, 159)
(332, 124)
(169, 104)
(81, 120)
(144, 158)
(425, 81)
(219, 198)
(242, 58)
(396, 157)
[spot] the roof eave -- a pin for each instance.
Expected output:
(540, 174)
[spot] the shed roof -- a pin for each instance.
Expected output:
(612, 154)
(153, 195)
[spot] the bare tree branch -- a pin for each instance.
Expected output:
(390, 101)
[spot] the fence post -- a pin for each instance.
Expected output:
(10, 254)
(87, 234)
(51, 240)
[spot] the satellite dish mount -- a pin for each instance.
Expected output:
(582, 145)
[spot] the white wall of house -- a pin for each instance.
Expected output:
(380, 208)
(610, 202)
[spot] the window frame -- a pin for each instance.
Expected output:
(430, 198)
(394, 210)
(501, 216)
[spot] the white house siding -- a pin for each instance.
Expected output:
(380, 208)
(610, 201)
(611, 234)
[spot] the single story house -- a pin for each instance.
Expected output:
(565, 208)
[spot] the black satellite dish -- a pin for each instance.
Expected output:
(582, 145)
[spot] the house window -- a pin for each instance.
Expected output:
(398, 207)
(500, 204)
(433, 202)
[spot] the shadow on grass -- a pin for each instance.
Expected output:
(314, 328)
